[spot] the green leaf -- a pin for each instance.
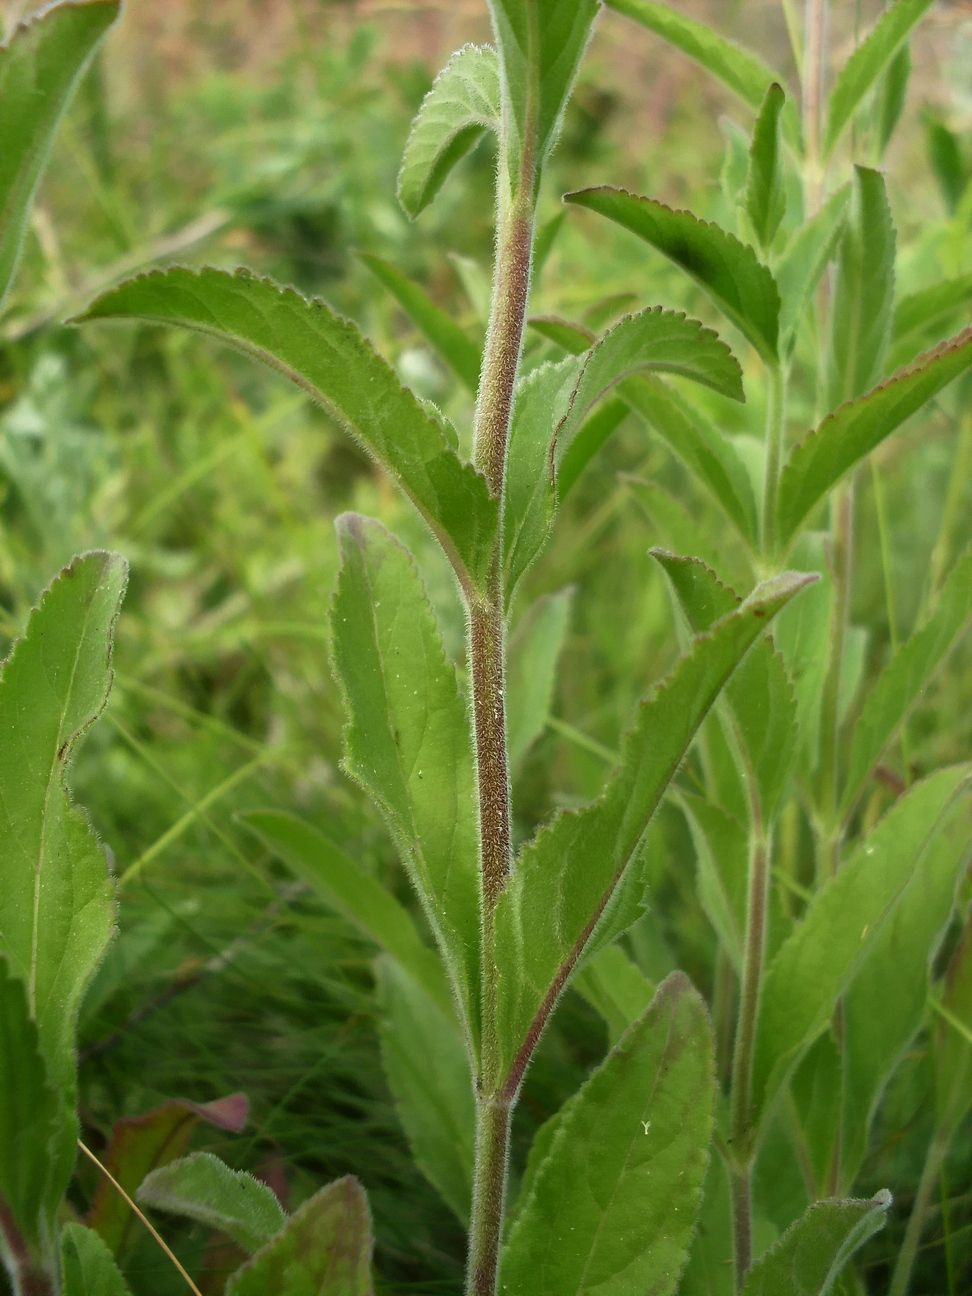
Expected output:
(428, 1073)
(948, 160)
(408, 740)
(541, 44)
(566, 878)
(203, 1188)
(818, 960)
(807, 255)
(765, 192)
(140, 1144)
(453, 344)
(611, 1208)
(704, 450)
(87, 1266)
(729, 271)
(843, 439)
(811, 1253)
(866, 64)
(746, 76)
(324, 1250)
(575, 339)
(462, 105)
(952, 1039)
(532, 654)
(932, 305)
(894, 92)
(860, 316)
(896, 972)
(722, 850)
(40, 67)
(616, 988)
(328, 358)
(358, 897)
(32, 1116)
(901, 684)
(55, 894)
(588, 439)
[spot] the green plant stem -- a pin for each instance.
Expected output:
(489, 1195)
(841, 559)
(742, 1223)
(812, 85)
(919, 1211)
(775, 416)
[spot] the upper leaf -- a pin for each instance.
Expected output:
(866, 64)
(566, 878)
(611, 1207)
(532, 655)
(324, 1250)
(201, 1187)
(820, 460)
(87, 1266)
(811, 1253)
(463, 103)
(40, 66)
(740, 285)
(930, 305)
(408, 741)
(903, 680)
(765, 192)
(541, 44)
(746, 75)
(805, 259)
(329, 359)
(616, 987)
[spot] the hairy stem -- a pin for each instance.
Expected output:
(742, 1224)
(489, 1195)
(919, 1212)
(487, 635)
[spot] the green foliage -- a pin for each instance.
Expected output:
(87, 1266)
(203, 1188)
(765, 191)
(534, 650)
(809, 1257)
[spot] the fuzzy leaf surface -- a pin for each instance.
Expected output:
(611, 1207)
(408, 740)
(811, 1253)
(902, 682)
(729, 271)
(453, 344)
(845, 437)
(541, 44)
(765, 192)
(40, 67)
(566, 878)
(746, 75)
(358, 897)
(462, 105)
(201, 1187)
(818, 960)
(428, 1073)
(866, 64)
(324, 1250)
(533, 652)
(327, 357)
(87, 1266)
(616, 988)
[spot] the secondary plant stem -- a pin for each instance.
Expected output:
(489, 1195)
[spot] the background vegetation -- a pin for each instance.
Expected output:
(283, 123)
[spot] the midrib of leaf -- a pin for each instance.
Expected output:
(52, 788)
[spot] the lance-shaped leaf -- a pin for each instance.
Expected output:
(806, 257)
(722, 849)
(742, 72)
(328, 358)
(896, 972)
(87, 1266)
(541, 44)
(811, 1253)
(532, 655)
(612, 1205)
(765, 192)
(843, 439)
(325, 1249)
(453, 344)
(428, 1073)
(358, 897)
(566, 878)
(929, 306)
(729, 271)
(892, 94)
(860, 316)
(408, 741)
(593, 433)
(32, 1116)
(818, 960)
(40, 66)
(900, 685)
(616, 988)
(55, 894)
(203, 1188)
(760, 695)
(462, 105)
(866, 64)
